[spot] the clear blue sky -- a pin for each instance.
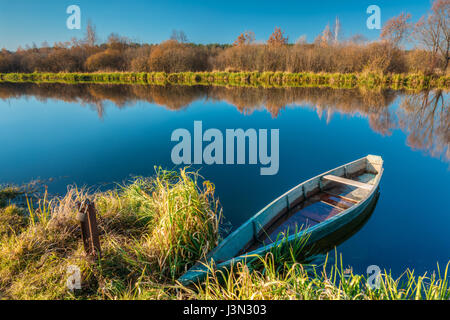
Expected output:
(26, 21)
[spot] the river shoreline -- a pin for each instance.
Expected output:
(244, 79)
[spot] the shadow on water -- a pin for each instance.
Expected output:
(423, 116)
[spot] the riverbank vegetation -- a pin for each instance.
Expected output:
(151, 231)
(329, 53)
(245, 79)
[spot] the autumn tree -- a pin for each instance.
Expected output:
(63, 59)
(172, 56)
(396, 29)
(108, 60)
(245, 38)
(326, 37)
(116, 42)
(277, 38)
(179, 36)
(433, 32)
(90, 38)
(7, 63)
(139, 58)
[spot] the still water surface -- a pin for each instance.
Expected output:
(97, 134)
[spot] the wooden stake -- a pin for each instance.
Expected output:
(89, 229)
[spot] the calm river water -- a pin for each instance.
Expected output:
(94, 135)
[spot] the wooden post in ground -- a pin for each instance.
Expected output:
(89, 228)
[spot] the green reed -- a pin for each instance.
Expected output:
(255, 79)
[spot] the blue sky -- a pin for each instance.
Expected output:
(26, 21)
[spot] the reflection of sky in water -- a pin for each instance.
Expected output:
(71, 143)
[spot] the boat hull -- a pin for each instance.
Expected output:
(317, 236)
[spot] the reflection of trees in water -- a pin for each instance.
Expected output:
(325, 100)
(426, 117)
(423, 116)
(172, 97)
(95, 95)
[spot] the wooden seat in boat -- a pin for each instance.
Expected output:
(348, 182)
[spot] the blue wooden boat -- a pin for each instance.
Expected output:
(317, 209)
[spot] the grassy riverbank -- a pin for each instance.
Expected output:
(152, 230)
(253, 79)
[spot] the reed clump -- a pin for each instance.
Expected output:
(152, 230)
(297, 281)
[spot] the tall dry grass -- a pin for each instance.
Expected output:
(152, 230)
